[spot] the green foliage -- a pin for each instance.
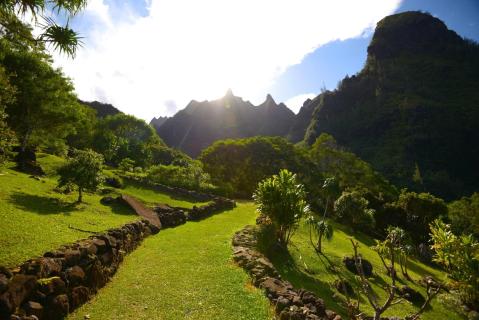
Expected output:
(283, 200)
(238, 165)
(419, 210)
(401, 116)
(460, 257)
(348, 169)
(124, 136)
(190, 177)
(352, 209)
(44, 106)
(126, 165)
(464, 215)
(318, 230)
(63, 38)
(83, 170)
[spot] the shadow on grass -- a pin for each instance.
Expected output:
(40, 204)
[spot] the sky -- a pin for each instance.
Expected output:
(150, 58)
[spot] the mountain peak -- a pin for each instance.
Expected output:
(229, 93)
(411, 32)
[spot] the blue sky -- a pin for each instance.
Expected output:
(151, 57)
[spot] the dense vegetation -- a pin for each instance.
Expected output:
(412, 109)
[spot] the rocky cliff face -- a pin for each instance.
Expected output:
(201, 123)
(412, 112)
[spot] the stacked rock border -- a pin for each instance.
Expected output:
(54, 285)
(289, 303)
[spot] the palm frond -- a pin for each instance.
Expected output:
(63, 39)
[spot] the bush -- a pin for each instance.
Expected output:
(352, 209)
(113, 180)
(190, 177)
(282, 199)
(126, 165)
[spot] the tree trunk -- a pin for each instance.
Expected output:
(320, 237)
(80, 194)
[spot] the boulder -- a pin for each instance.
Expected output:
(33, 308)
(52, 286)
(107, 200)
(74, 275)
(79, 296)
(19, 288)
(412, 295)
(350, 264)
(57, 307)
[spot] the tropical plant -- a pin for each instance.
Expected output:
(459, 255)
(317, 231)
(84, 170)
(283, 200)
(62, 38)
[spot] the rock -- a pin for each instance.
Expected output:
(79, 296)
(411, 295)
(33, 308)
(3, 283)
(170, 217)
(50, 286)
(282, 303)
(74, 275)
(100, 245)
(57, 307)
(6, 272)
(19, 288)
(43, 267)
(72, 257)
(367, 267)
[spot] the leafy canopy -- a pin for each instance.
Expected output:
(84, 170)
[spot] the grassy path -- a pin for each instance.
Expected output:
(183, 273)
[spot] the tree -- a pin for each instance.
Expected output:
(352, 209)
(459, 255)
(464, 215)
(84, 170)
(45, 103)
(420, 210)
(322, 228)
(317, 231)
(283, 200)
(379, 308)
(7, 95)
(124, 136)
(239, 165)
(62, 38)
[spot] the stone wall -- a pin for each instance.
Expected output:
(52, 286)
(289, 303)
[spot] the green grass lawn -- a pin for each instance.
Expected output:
(34, 218)
(303, 268)
(152, 197)
(183, 273)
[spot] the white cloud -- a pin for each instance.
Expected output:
(295, 103)
(190, 49)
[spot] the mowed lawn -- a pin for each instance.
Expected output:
(303, 268)
(152, 197)
(34, 218)
(183, 273)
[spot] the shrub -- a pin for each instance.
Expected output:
(352, 209)
(113, 180)
(126, 165)
(282, 199)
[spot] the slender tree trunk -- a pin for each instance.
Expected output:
(80, 194)
(320, 237)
